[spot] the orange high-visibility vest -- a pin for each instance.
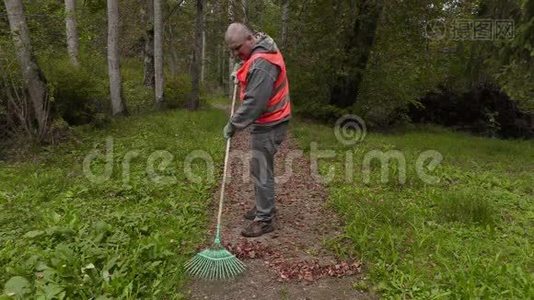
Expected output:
(278, 106)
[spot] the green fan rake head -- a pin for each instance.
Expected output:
(215, 263)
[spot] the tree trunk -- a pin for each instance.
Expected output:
(285, 18)
(231, 16)
(345, 90)
(222, 62)
(72, 31)
(194, 100)
(158, 54)
(231, 61)
(34, 79)
(219, 68)
(115, 83)
(203, 59)
(244, 6)
(148, 52)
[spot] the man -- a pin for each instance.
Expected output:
(265, 106)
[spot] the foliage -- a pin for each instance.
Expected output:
(81, 94)
(78, 94)
(402, 67)
(313, 56)
(64, 236)
(405, 63)
(336, 63)
(468, 236)
(9, 80)
(484, 110)
(513, 60)
(177, 90)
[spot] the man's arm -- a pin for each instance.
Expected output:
(260, 83)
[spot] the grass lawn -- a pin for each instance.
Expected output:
(468, 236)
(64, 236)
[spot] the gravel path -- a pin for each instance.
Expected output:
(292, 262)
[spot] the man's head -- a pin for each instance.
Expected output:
(240, 40)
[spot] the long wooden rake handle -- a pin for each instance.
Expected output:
(223, 184)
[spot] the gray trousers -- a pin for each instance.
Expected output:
(265, 144)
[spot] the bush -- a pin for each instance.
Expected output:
(141, 98)
(323, 112)
(137, 96)
(484, 110)
(77, 95)
(177, 90)
(81, 95)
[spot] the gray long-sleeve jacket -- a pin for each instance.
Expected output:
(260, 85)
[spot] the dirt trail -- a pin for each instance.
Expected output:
(291, 262)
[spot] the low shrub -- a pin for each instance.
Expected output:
(177, 90)
(77, 95)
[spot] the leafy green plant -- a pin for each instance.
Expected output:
(177, 90)
(466, 236)
(77, 95)
(66, 237)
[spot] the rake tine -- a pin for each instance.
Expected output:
(217, 271)
(201, 266)
(204, 269)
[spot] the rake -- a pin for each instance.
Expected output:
(216, 262)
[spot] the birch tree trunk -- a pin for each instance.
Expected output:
(203, 59)
(244, 6)
(115, 83)
(158, 55)
(197, 55)
(34, 79)
(219, 68)
(148, 52)
(285, 19)
(231, 61)
(72, 31)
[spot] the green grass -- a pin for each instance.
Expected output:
(222, 100)
(468, 236)
(62, 235)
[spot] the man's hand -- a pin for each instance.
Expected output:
(228, 131)
(234, 77)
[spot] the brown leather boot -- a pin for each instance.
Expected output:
(257, 228)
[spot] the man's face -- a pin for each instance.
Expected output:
(241, 47)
